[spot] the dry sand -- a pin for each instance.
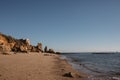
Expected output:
(36, 66)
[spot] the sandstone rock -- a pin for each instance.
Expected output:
(23, 48)
(45, 49)
(3, 40)
(29, 48)
(27, 41)
(34, 49)
(11, 44)
(1, 48)
(39, 47)
(18, 45)
(51, 51)
(5, 48)
(21, 45)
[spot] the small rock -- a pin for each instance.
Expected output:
(68, 74)
(62, 69)
(80, 64)
(46, 54)
(6, 53)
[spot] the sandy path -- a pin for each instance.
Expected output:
(32, 66)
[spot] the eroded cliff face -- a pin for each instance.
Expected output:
(5, 45)
(20, 45)
(8, 43)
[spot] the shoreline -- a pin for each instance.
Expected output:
(66, 67)
(35, 66)
(93, 74)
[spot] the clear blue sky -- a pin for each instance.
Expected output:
(65, 25)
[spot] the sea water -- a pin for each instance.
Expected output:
(100, 66)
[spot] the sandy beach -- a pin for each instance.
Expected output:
(36, 66)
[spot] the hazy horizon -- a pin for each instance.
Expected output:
(64, 25)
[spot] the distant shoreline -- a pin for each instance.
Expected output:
(90, 52)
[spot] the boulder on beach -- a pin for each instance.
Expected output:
(68, 75)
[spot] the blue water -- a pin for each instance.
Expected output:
(102, 66)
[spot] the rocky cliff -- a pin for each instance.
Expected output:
(8, 43)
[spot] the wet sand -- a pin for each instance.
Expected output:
(36, 66)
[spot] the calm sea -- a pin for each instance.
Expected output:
(104, 66)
